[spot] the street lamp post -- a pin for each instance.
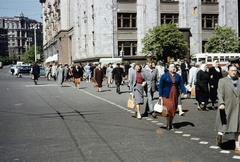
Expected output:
(112, 7)
(35, 26)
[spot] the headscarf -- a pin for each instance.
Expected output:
(214, 64)
(202, 67)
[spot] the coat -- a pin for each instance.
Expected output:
(132, 79)
(36, 71)
(228, 120)
(60, 75)
(99, 75)
(151, 76)
(117, 75)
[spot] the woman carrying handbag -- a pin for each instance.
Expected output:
(168, 89)
(136, 83)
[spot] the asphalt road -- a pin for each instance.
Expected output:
(49, 123)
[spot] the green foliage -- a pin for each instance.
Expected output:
(225, 40)
(8, 60)
(163, 41)
(29, 55)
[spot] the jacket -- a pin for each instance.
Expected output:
(165, 85)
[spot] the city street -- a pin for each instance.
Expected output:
(49, 123)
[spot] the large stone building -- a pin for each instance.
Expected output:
(20, 34)
(86, 30)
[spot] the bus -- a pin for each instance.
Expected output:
(208, 58)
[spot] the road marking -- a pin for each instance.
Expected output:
(148, 119)
(203, 142)
(195, 139)
(225, 152)
(160, 124)
(154, 121)
(236, 157)
(42, 85)
(186, 135)
(178, 132)
(214, 147)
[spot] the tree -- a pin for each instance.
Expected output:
(29, 55)
(225, 40)
(164, 40)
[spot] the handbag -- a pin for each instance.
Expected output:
(95, 84)
(131, 103)
(193, 92)
(160, 109)
(32, 77)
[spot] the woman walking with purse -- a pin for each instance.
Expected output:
(98, 76)
(168, 89)
(136, 83)
(77, 75)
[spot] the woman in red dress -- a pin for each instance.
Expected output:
(168, 89)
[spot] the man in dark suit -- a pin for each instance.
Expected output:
(117, 75)
(35, 72)
(184, 70)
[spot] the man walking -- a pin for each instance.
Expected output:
(35, 72)
(228, 119)
(117, 75)
(150, 75)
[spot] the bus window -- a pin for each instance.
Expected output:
(215, 58)
(209, 59)
(222, 59)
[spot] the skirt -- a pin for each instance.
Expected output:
(77, 80)
(138, 94)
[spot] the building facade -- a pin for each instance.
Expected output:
(20, 34)
(86, 30)
(3, 40)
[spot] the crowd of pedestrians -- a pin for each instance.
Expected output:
(173, 81)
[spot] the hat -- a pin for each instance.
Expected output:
(160, 62)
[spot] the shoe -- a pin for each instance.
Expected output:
(199, 108)
(181, 114)
(169, 128)
(206, 109)
(139, 116)
(154, 115)
(144, 115)
(237, 150)
(219, 140)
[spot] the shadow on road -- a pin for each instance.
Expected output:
(182, 124)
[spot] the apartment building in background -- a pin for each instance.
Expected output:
(19, 35)
(86, 30)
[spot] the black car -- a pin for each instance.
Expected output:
(24, 69)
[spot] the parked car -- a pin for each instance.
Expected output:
(24, 69)
(42, 70)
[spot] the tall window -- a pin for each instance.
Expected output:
(169, 0)
(128, 47)
(127, 1)
(209, 21)
(127, 20)
(169, 18)
(209, 1)
(204, 50)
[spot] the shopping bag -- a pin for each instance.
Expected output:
(32, 77)
(193, 92)
(130, 103)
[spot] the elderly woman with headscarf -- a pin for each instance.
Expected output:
(202, 89)
(215, 73)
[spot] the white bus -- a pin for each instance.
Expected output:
(208, 58)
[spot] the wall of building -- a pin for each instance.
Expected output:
(91, 31)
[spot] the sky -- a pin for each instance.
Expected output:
(30, 8)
